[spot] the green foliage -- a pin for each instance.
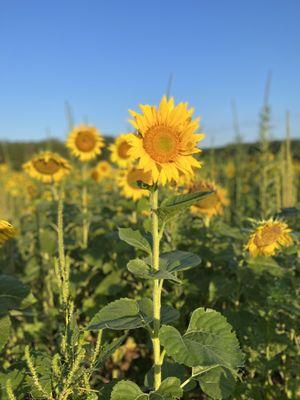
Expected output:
(170, 207)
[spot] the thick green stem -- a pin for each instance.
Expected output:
(157, 287)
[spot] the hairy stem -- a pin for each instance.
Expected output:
(157, 288)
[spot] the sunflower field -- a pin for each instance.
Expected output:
(149, 268)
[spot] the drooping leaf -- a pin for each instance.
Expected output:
(217, 382)
(127, 390)
(135, 239)
(142, 270)
(119, 315)
(12, 294)
(172, 206)
(176, 261)
(139, 268)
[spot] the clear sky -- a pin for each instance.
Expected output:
(104, 57)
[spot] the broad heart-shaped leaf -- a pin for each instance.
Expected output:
(172, 206)
(135, 239)
(217, 382)
(129, 314)
(208, 343)
(5, 326)
(12, 294)
(127, 390)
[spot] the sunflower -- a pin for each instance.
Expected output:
(85, 142)
(127, 182)
(268, 237)
(211, 205)
(47, 167)
(102, 170)
(7, 231)
(166, 140)
(120, 151)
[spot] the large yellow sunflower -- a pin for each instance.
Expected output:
(85, 142)
(166, 140)
(211, 205)
(127, 182)
(120, 151)
(102, 170)
(7, 231)
(47, 167)
(268, 237)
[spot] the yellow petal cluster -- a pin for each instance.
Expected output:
(211, 205)
(120, 151)
(85, 142)
(7, 231)
(47, 167)
(165, 141)
(268, 237)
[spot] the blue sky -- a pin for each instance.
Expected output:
(104, 57)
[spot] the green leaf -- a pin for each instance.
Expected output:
(142, 270)
(119, 315)
(169, 389)
(5, 326)
(12, 294)
(172, 206)
(135, 239)
(217, 382)
(176, 261)
(263, 264)
(127, 390)
(208, 343)
(139, 268)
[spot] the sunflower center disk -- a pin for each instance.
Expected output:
(162, 144)
(49, 167)
(123, 150)
(85, 141)
(268, 236)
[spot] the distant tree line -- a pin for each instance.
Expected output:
(16, 153)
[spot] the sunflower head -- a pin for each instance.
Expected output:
(47, 167)
(128, 183)
(85, 142)
(120, 151)
(7, 231)
(211, 205)
(165, 140)
(268, 237)
(102, 170)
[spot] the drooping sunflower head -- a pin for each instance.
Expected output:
(166, 140)
(85, 142)
(127, 182)
(211, 205)
(102, 170)
(268, 237)
(7, 231)
(47, 167)
(120, 151)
